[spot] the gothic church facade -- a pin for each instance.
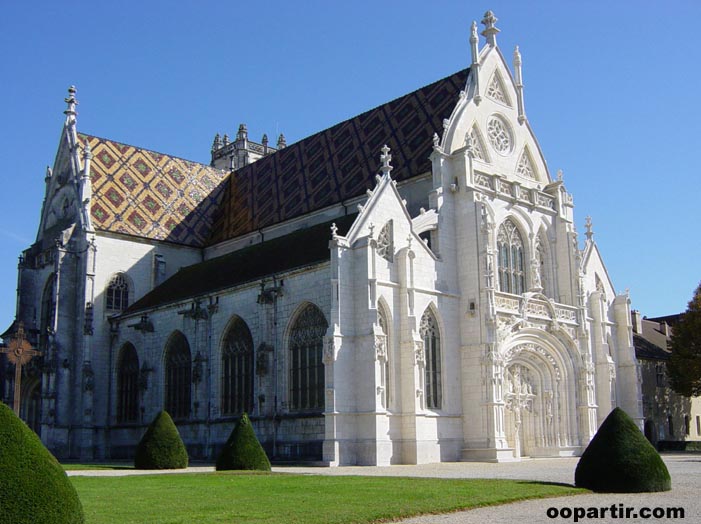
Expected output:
(404, 287)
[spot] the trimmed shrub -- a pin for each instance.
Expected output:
(161, 446)
(242, 450)
(619, 459)
(33, 486)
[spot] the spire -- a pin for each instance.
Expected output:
(265, 144)
(70, 111)
(281, 143)
(588, 226)
(490, 30)
(225, 140)
(385, 158)
(243, 133)
(519, 86)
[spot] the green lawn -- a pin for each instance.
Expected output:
(309, 499)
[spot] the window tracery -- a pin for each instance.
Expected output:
(237, 370)
(178, 377)
(511, 267)
(385, 243)
(432, 359)
(475, 144)
(495, 90)
(525, 167)
(128, 385)
(499, 135)
(306, 372)
(117, 294)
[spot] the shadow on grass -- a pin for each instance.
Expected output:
(543, 483)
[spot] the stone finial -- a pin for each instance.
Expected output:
(588, 227)
(474, 41)
(243, 132)
(334, 231)
(560, 175)
(490, 30)
(436, 141)
(281, 142)
(225, 140)
(49, 174)
(216, 144)
(264, 141)
(518, 74)
(72, 102)
(385, 158)
(517, 57)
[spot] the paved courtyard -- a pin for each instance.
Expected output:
(685, 470)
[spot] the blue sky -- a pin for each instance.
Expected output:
(611, 90)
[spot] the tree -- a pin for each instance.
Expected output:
(684, 365)
(161, 446)
(33, 485)
(619, 459)
(242, 450)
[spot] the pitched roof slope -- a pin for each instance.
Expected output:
(151, 195)
(647, 350)
(337, 163)
(296, 250)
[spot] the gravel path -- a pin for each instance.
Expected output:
(685, 470)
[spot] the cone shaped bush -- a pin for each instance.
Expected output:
(161, 446)
(619, 459)
(33, 486)
(242, 450)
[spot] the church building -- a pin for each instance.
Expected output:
(404, 287)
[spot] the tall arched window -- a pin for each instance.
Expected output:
(237, 369)
(48, 311)
(117, 293)
(386, 362)
(510, 248)
(128, 385)
(306, 345)
(178, 378)
(432, 354)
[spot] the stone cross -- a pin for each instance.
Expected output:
(19, 352)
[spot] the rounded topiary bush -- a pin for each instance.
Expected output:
(242, 450)
(619, 459)
(161, 446)
(33, 486)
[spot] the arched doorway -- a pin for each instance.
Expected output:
(30, 405)
(539, 389)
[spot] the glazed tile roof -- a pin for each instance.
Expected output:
(295, 250)
(338, 163)
(151, 195)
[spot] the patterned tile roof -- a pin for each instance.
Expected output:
(151, 195)
(338, 163)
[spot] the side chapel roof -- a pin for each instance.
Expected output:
(293, 251)
(151, 195)
(338, 163)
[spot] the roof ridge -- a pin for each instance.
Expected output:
(80, 133)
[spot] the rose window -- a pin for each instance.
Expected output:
(499, 135)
